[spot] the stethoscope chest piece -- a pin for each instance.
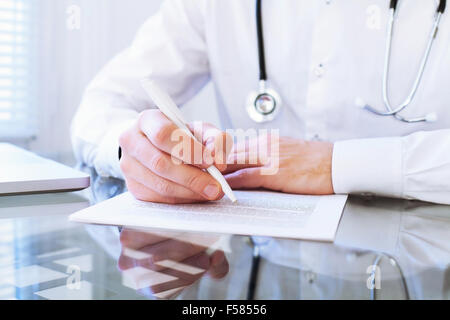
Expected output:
(264, 105)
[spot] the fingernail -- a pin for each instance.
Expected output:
(211, 191)
(211, 148)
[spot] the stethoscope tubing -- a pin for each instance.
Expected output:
(419, 77)
(261, 47)
(391, 111)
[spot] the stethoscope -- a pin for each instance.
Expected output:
(394, 111)
(262, 105)
(265, 104)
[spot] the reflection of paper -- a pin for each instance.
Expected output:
(256, 213)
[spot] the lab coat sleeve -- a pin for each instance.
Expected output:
(416, 166)
(170, 49)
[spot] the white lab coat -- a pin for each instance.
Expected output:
(321, 57)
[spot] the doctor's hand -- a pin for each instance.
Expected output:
(161, 163)
(287, 165)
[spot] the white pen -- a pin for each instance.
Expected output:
(171, 111)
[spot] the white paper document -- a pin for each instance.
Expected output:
(257, 213)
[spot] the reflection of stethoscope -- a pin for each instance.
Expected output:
(390, 110)
(265, 104)
(257, 243)
(375, 265)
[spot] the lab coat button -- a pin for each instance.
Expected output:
(319, 70)
(350, 257)
(310, 276)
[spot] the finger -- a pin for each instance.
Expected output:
(178, 279)
(249, 178)
(166, 136)
(252, 152)
(133, 239)
(191, 178)
(135, 170)
(142, 193)
(244, 159)
(162, 254)
(217, 142)
(231, 168)
(124, 262)
(158, 256)
(255, 142)
(172, 250)
(191, 268)
(201, 262)
(219, 265)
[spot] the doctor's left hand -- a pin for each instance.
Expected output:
(287, 165)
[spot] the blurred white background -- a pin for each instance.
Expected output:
(65, 59)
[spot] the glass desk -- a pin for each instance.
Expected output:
(384, 249)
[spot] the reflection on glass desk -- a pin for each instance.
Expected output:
(384, 249)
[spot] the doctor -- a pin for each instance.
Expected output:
(321, 61)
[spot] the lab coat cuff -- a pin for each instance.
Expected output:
(368, 166)
(107, 163)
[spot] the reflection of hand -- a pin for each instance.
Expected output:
(288, 165)
(148, 151)
(184, 258)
